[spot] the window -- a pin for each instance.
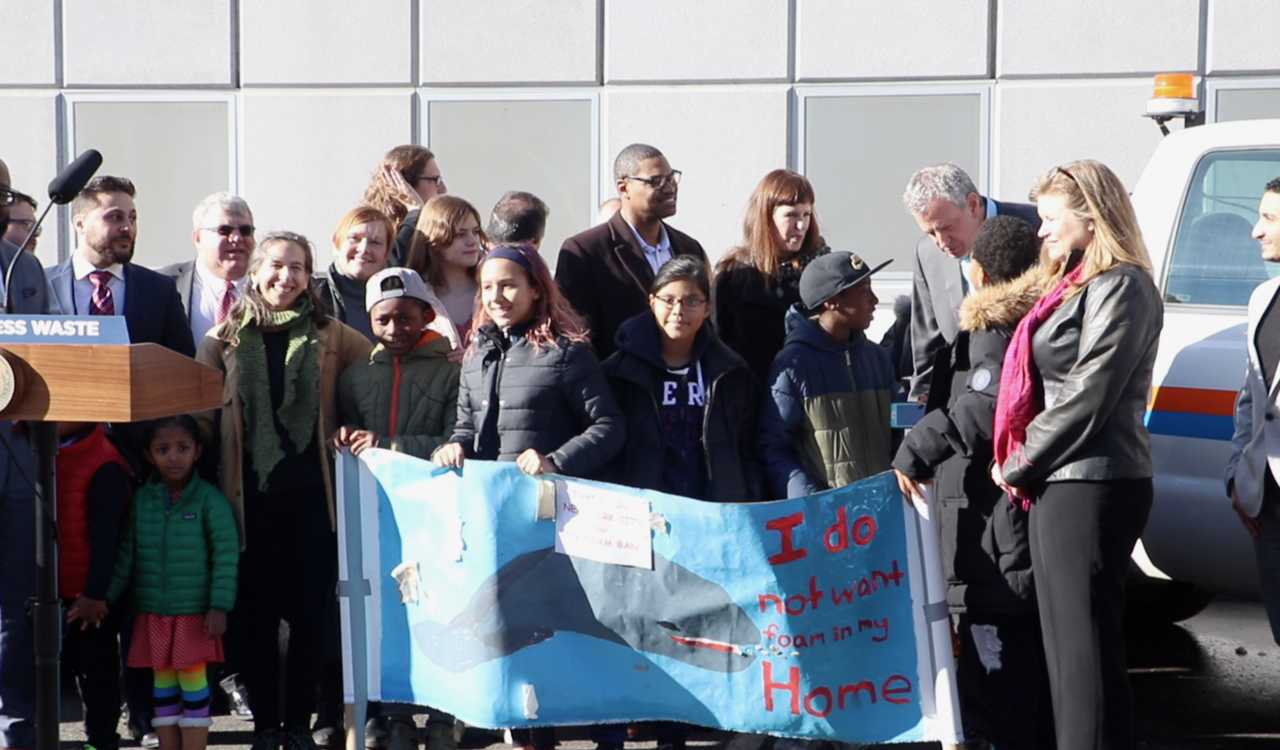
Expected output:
(1242, 99)
(541, 143)
(1215, 260)
(860, 145)
(176, 149)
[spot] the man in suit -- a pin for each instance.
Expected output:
(28, 294)
(1255, 456)
(518, 217)
(605, 271)
(101, 279)
(945, 203)
(222, 230)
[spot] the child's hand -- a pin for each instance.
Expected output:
(359, 440)
(339, 438)
(911, 488)
(449, 456)
(88, 611)
(534, 463)
(215, 623)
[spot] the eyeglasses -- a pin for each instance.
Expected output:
(28, 223)
(226, 230)
(7, 197)
(437, 179)
(658, 181)
(688, 303)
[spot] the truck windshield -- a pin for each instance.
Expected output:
(1215, 260)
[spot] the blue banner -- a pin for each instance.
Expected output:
(801, 617)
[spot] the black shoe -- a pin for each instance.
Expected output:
(672, 745)
(298, 739)
(609, 746)
(266, 739)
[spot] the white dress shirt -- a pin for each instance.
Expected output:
(82, 287)
(655, 254)
(206, 296)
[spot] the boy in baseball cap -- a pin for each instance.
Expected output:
(825, 422)
(405, 396)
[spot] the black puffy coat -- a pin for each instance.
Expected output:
(986, 555)
(514, 396)
(729, 419)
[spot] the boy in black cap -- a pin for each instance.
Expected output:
(825, 420)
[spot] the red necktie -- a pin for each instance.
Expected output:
(101, 302)
(224, 304)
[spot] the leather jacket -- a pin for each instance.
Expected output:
(1094, 355)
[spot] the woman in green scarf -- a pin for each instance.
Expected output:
(282, 357)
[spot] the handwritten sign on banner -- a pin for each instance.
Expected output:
(801, 617)
(596, 523)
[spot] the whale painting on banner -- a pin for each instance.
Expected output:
(512, 600)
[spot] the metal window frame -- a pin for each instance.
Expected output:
(1213, 85)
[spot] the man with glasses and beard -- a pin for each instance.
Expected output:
(605, 272)
(222, 229)
(101, 279)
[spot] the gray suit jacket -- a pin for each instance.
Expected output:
(184, 276)
(936, 293)
(1255, 446)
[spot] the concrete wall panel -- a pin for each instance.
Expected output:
(853, 39)
(511, 41)
(326, 41)
(1242, 37)
(28, 146)
(147, 42)
(26, 56)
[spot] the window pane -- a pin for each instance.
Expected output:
(1248, 104)
(861, 150)
(175, 153)
(1215, 260)
(487, 148)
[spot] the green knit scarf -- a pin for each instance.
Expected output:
(301, 405)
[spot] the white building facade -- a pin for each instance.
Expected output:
(290, 103)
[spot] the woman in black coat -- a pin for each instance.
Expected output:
(689, 400)
(758, 281)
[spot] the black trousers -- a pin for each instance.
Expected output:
(92, 656)
(1004, 692)
(1082, 534)
(288, 571)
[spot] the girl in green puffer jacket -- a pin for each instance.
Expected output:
(179, 551)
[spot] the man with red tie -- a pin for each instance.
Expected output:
(101, 279)
(222, 230)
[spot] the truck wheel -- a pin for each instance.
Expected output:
(1151, 602)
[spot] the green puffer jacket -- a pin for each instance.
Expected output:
(181, 559)
(422, 408)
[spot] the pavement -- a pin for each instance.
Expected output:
(1210, 683)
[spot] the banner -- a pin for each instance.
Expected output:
(512, 601)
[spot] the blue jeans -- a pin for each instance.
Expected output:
(1266, 548)
(17, 586)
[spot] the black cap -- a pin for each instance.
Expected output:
(828, 275)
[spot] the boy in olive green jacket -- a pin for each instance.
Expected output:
(405, 396)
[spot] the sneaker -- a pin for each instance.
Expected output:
(266, 739)
(150, 740)
(404, 736)
(375, 734)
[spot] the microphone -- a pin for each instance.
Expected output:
(73, 177)
(62, 190)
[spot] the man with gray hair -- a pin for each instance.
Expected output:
(518, 217)
(949, 210)
(605, 271)
(222, 230)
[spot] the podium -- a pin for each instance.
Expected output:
(81, 369)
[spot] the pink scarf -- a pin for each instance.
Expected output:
(1020, 398)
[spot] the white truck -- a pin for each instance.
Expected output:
(1197, 202)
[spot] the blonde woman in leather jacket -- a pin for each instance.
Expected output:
(1071, 441)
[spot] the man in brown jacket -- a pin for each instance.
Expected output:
(605, 271)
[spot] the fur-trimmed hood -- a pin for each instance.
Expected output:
(1002, 305)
